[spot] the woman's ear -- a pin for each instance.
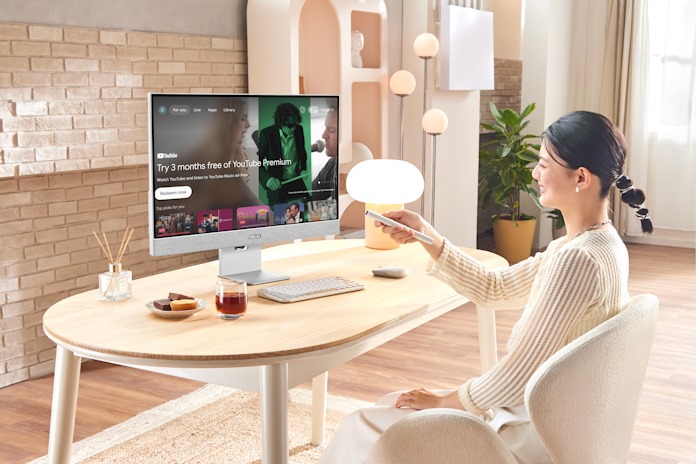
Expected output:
(584, 178)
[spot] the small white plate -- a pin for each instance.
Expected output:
(176, 314)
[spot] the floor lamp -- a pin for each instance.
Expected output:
(434, 123)
(426, 47)
(402, 84)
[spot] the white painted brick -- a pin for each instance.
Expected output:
(48, 93)
(84, 151)
(81, 64)
(71, 165)
(101, 135)
(51, 153)
(45, 167)
(19, 155)
(83, 93)
(87, 121)
(47, 123)
(19, 124)
(128, 80)
(31, 108)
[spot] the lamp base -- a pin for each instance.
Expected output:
(374, 237)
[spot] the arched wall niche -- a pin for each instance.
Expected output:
(318, 48)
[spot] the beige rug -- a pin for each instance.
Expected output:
(211, 425)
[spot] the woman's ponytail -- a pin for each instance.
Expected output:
(634, 198)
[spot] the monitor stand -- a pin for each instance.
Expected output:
(244, 263)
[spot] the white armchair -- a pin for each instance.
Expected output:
(582, 402)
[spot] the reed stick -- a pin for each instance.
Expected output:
(124, 243)
(108, 248)
(106, 255)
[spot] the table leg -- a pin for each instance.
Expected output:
(487, 338)
(274, 413)
(64, 405)
(319, 384)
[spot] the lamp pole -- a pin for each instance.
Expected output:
(434, 122)
(426, 47)
(402, 83)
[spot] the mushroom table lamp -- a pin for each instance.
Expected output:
(383, 185)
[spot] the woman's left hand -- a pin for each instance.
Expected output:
(420, 399)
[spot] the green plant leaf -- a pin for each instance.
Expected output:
(527, 111)
(494, 111)
(510, 117)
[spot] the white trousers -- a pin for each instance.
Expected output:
(360, 430)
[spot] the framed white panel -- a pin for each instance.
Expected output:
(466, 48)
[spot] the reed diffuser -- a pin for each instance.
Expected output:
(115, 284)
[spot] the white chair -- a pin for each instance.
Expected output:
(582, 402)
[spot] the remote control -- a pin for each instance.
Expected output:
(390, 222)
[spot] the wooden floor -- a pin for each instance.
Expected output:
(440, 354)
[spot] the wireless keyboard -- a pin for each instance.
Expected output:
(308, 289)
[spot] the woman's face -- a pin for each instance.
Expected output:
(243, 125)
(556, 184)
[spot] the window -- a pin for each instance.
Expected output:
(672, 96)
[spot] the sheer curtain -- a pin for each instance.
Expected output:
(633, 61)
(663, 113)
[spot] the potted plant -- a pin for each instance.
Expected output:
(504, 173)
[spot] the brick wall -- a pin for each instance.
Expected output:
(507, 94)
(508, 89)
(73, 154)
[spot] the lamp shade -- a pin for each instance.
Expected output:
(385, 181)
(402, 83)
(426, 45)
(434, 122)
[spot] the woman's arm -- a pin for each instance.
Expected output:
(503, 289)
(570, 287)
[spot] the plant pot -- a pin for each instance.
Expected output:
(513, 243)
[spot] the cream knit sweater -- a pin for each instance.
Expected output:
(566, 291)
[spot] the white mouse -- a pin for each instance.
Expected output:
(393, 272)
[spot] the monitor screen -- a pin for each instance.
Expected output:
(233, 171)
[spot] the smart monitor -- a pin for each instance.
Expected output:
(234, 171)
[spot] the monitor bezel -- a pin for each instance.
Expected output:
(238, 238)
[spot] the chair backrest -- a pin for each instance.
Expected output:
(583, 400)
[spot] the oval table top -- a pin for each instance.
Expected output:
(269, 329)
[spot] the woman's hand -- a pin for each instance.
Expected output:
(402, 235)
(420, 399)
(425, 399)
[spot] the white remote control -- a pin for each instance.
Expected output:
(390, 222)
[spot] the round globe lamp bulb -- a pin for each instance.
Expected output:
(426, 45)
(402, 83)
(434, 122)
(385, 181)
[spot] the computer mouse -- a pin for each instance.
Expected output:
(393, 272)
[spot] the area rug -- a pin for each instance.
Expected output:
(211, 425)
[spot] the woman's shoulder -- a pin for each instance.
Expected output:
(596, 245)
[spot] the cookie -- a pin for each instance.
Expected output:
(182, 305)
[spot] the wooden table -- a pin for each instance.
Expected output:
(273, 348)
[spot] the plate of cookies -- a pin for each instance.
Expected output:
(176, 306)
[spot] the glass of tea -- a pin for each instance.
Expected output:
(230, 298)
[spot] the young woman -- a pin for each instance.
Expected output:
(580, 281)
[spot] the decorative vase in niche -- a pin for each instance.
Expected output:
(357, 42)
